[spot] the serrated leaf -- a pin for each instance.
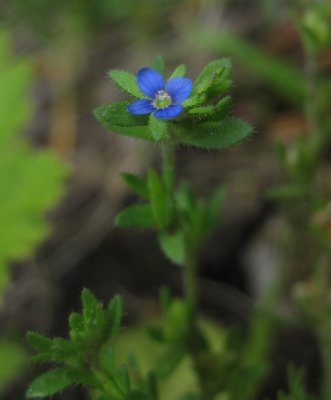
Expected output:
(137, 184)
(31, 181)
(49, 383)
(180, 71)
(158, 128)
(158, 64)
(114, 316)
(173, 246)
(218, 135)
(126, 81)
(137, 216)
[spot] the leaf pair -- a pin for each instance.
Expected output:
(158, 213)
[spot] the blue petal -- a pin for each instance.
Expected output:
(169, 112)
(150, 82)
(179, 89)
(141, 107)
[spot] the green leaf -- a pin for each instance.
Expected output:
(107, 359)
(222, 108)
(202, 111)
(13, 360)
(126, 81)
(93, 316)
(161, 204)
(138, 395)
(39, 342)
(137, 184)
(169, 361)
(213, 210)
(173, 246)
(178, 72)
(90, 305)
(50, 382)
(138, 128)
(122, 379)
(218, 135)
(280, 75)
(137, 216)
(158, 128)
(158, 64)
(194, 101)
(31, 181)
(118, 114)
(214, 72)
(114, 316)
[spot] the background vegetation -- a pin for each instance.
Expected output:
(263, 275)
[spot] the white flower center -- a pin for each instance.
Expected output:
(162, 99)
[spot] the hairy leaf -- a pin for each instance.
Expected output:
(158, 128)
(126, 81)
(218, 135)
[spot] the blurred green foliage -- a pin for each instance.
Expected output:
(31, 181)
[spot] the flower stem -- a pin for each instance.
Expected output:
(190, 281)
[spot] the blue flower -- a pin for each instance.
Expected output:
(164, 98)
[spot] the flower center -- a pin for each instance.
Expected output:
(162, 99)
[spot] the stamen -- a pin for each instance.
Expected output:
(162, 99)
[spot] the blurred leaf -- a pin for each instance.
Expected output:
(173, 246)
(137, 216)
(158, 64)
(281, 76)
(107, 359)
(126, 81)
(286, 192)
(137, 184)
(178, 72)
(169, 361)
(13, 359)
(30, 181)
(218, 135)
(158, 128)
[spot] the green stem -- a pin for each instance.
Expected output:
(191, 281)
(168, 153)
